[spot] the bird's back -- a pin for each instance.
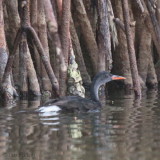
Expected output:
(74, 103)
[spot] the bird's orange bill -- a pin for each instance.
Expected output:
(117, 78)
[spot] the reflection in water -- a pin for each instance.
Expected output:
(127, 129)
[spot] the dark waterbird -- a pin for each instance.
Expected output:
(77, 103)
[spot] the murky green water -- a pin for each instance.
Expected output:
(128, 129)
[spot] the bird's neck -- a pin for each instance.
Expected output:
(94, 91)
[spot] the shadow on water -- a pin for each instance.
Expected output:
(125, 129)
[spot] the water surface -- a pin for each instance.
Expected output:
(125, 129)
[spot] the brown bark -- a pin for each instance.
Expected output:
(3, 59)
(131, 50)
(90, 47)
(87, 33)
(17, 40)
(7, 88)
(158, 11)
(13, 20)
(103, 36)
(25, 13)
(3, 52)
(23, 83)
(42, 34)
(152, 81)
(91, 10)
(144, 49)
(119, 23)
(34, 89)
(33, 50)
(150, 19)
(27, 71)
(34, 13)
(121, 64)
(55, 62)
(11, 56)
(65, 24)
(54, 36)
(140, 5)
(12, 24)
(25, 22)
(65, 28)
(45, 60)
(112, 26)
(59, 5)
(154, 36)
(79, 54)
(26, 27)
(154, 26)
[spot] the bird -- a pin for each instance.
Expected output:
(80, 104)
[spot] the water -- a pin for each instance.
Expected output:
(125, 129)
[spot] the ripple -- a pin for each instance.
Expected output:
(127, 129)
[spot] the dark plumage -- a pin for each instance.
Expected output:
(77, 103)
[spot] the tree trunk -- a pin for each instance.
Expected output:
(103, 36)
(3, 51)
(54, 36)
(152, 81)
(13, 25)
(7, 88)
(33, 50)
(65, 24)
(87, 33)
(59, 5)
(10, 61)
(27, 72)
(93, 35)
(158, 11)
(34, 13)
(91, 10)
(42, 34)
(65, 28)
(155, 27)
(45, 60)
(23, 85)
(34, 89)
(14, 21)
(79, 54)
(130, 44)
(144, 50)
(121, 64)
